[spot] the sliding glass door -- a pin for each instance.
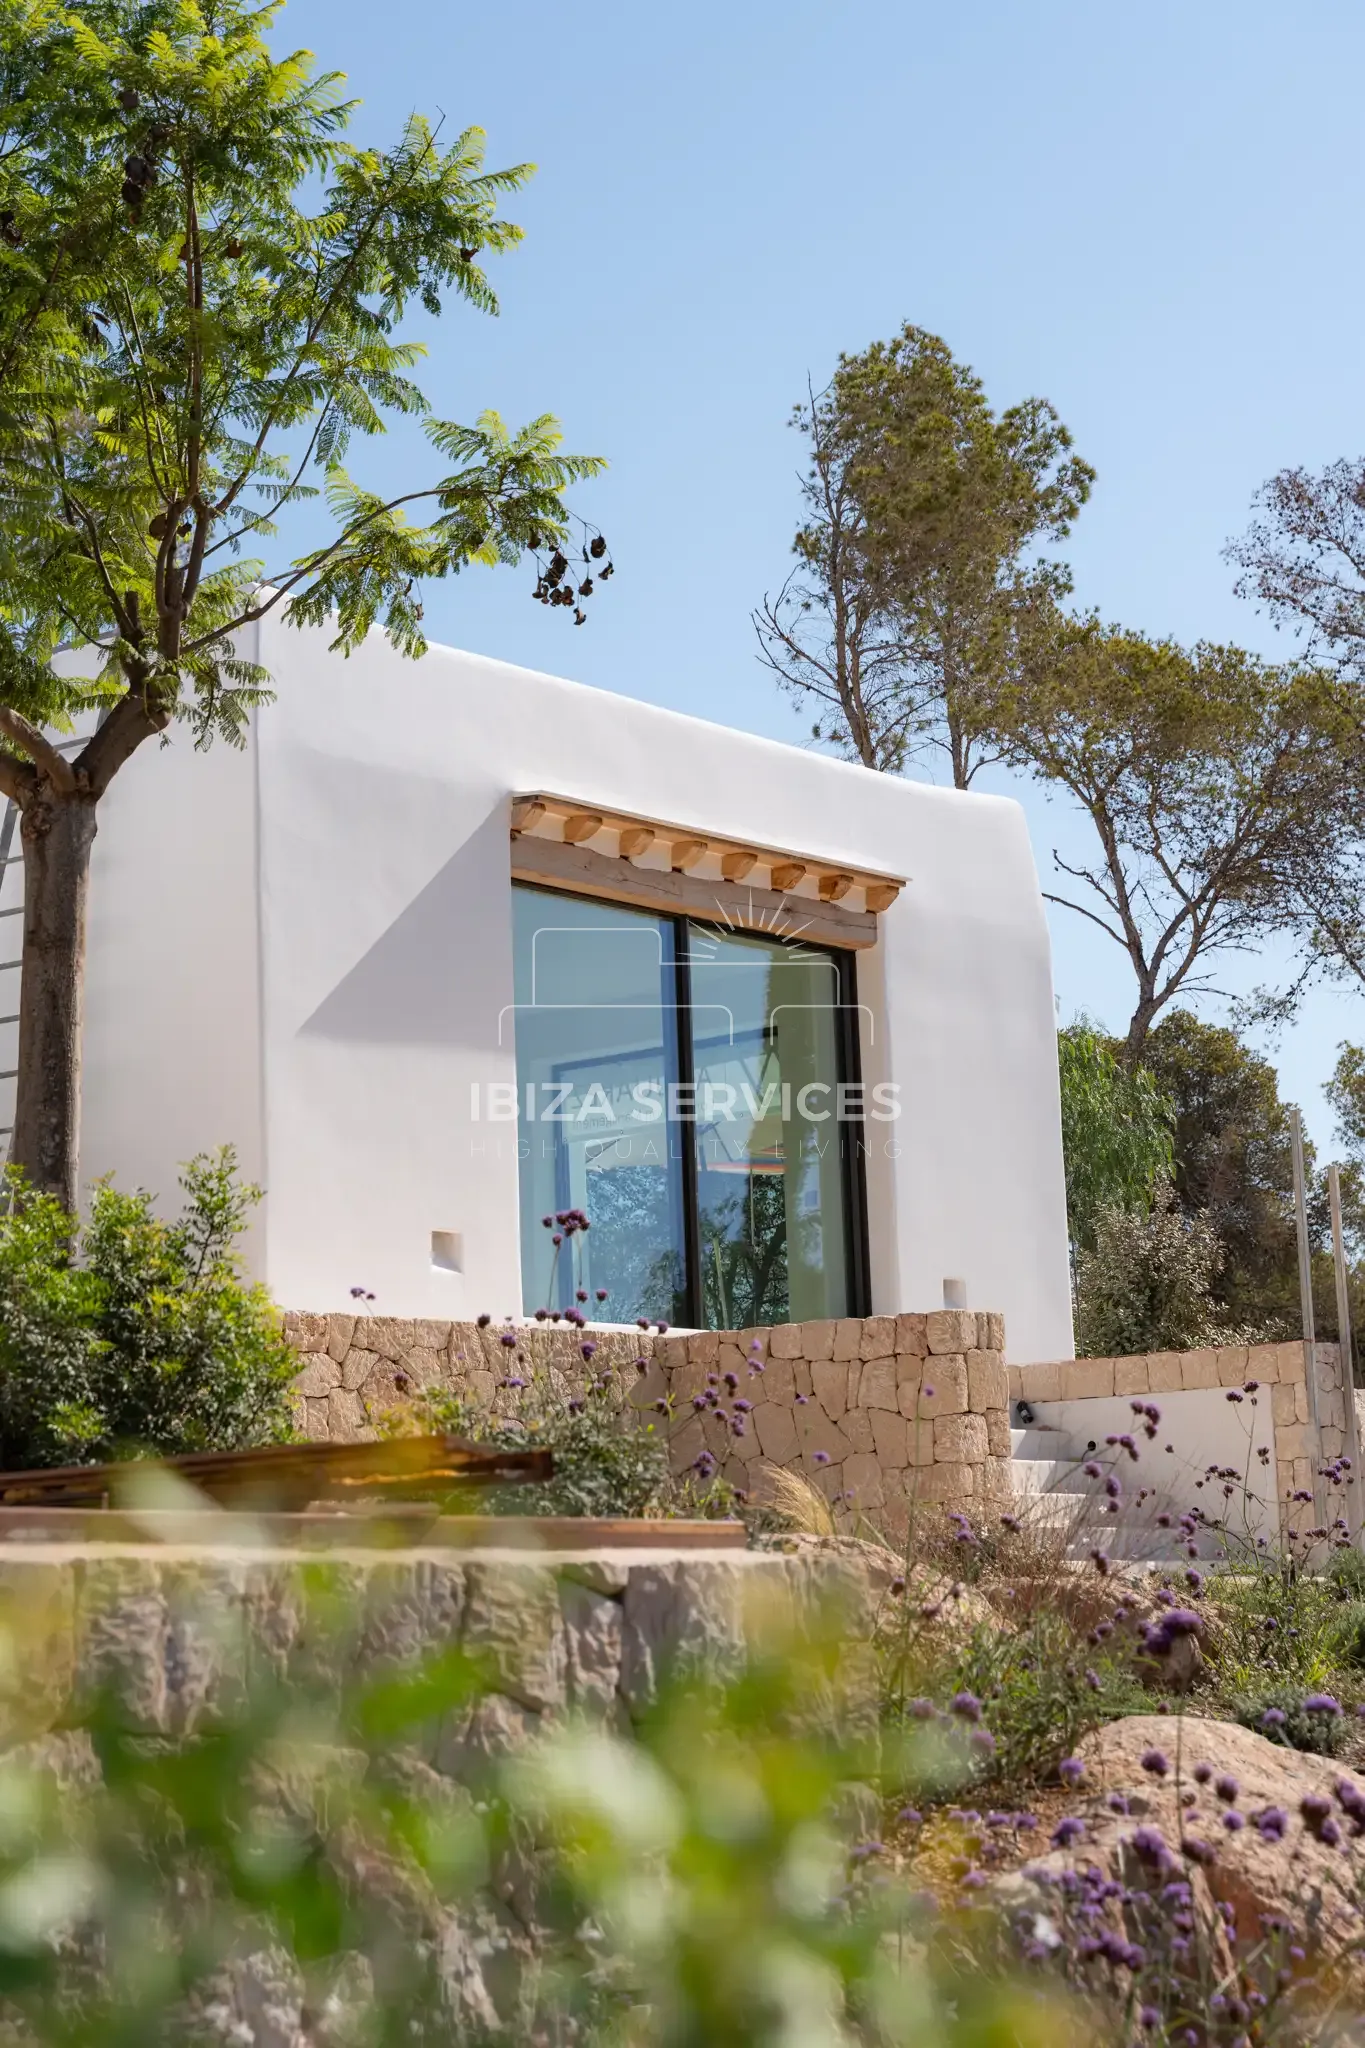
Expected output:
(685, 1087)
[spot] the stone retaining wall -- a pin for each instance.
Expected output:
(877, 1410)
(1282, 1369)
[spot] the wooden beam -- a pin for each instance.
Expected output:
(635, 839)
(736, 864)
(833, 888)
(581, 825)
(525, 814)
(685, 853)
(881, 895)
(787, 873)
(551, 865)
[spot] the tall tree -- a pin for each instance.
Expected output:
(1116, 1131)
(202, 286)
(1217, 786)
(910, 610)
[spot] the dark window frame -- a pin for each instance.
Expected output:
(848, 1055)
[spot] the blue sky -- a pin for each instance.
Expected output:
(1150, 216)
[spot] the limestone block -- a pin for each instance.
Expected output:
(879, 1337)
(391, 1336)
(854, 1370)
(746, 1445)
(951, 1330)
(818, 1433)
(1333, 1440)
(889, 1436)
(1263, 1363)
(1329, 1365)
(729, 1358)
(943, 1390)
(801, 1375)
(346, 1418)
(776, 1382)
(320, 1374)
(987, 1385)
(670, 1353)
(1331, 1413)
(1282, 1403)
(1292, 1441)
(305, 1332)
(356, 1368)
(960, 1439)
(817, 1341)
(1302, 1410)
(998, 1433)
(996, 1479)
(1014, 1374)
(689, 1441)
(848, 1338)
(912, 1335)
(857, 1427)
(1163, 1372)
(863, 1479)
(830, 1383)
(993, 1332)
(746, 1340)
(717, 1434)
(877, 1385)
(514, 1628)
(1198, 1369)
(1301, 1471)
(776, 1432)
(317, 1427)
(1130, 1376)
(1233, 1369)
(828, 1479)
(432, 1334)
(1087, 1378)
(786, 1341)
(1290, 1359)
(703, 1348)
(1041, 1382)
(427, 1368)
(954, 1485)
(483, 1386)
(919, 1443)
(340, 1331)
(593, 1629)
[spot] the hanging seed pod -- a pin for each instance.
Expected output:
(468, 255)
(184, 255)
(234, 250)
(159, 527)
(608, 571)
(138, 171)
(132, 195)
(558, 564)
(579, 618)
(585, 587)
(598, 547)
(128, 99)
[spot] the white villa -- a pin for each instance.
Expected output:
(452, 947)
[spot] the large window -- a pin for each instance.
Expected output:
(692, 1090)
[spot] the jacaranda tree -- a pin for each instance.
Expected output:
(202, 290)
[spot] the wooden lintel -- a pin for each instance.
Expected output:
(736, 864)
(834, 888)
(582, 825)
(881, 895)
(787, 873)
(549, 864)
(685, 853)
(635, 839)
(528, 812)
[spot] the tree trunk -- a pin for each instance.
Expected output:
(1139, 1025)
(58, 832)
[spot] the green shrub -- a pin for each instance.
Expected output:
(132, 1334)
(610, 1460)
(1291, 1722)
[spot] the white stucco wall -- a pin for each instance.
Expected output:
(306, 948)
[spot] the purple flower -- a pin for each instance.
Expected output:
(587, 1349)
(1233, 1821)
(1117, 1802)
(1273, 1717)
(910, 1817)
(1092, 1470)
(1071, 1770)
(484, 1321)
(966, 1706)
(983, 1742)
(928, 1393)
(1202, 1773)
(1271, 1823)
(922, 1710)
(1156, 1761)
(1321, 1703)
(1227, 1788)
(509, 1338)
(1067, 1831)
(819, 1457)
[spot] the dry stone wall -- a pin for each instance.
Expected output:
(879, 1411)
(1282, 1369)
